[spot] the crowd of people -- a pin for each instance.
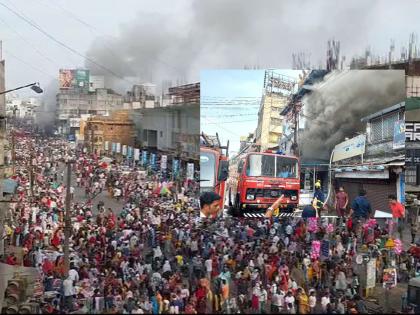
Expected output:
(154, 254)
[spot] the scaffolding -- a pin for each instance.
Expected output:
(185, 94)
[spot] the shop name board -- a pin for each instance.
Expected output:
(412, 131)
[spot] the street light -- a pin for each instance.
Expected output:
(34, 86)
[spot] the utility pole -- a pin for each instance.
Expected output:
(67, 219)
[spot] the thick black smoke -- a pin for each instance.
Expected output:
(234, 34)
(335, 108)
(46, 112)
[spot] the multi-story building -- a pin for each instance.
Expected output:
(374, 160)
(72, 104)
(23, 109)
(175, 128)
(116, 128)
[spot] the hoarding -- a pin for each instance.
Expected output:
(399, 135)
(74, 78)
(74, 122)
(66, 78)
(347, 149)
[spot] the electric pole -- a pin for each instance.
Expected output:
(67, 219)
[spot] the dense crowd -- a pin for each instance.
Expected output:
(154, 254)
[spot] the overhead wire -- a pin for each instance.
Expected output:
(29, 43)
(73, 16)
(57, 41)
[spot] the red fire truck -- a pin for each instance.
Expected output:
(214, 166)
(260, 178)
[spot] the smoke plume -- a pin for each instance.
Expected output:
(333, 111)
(46, 113)
(232, 34)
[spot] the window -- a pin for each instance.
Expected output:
(410, 175)
(276, 121)
(161, 134)
(382, 128)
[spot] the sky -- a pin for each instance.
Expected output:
(174, 40)
(230, 100)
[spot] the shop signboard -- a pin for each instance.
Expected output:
(114, 147)
(412, 131)
(350, 148)
(106, 145)
(118, 148)
(124, 150)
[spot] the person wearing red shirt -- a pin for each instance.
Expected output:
(398, 214)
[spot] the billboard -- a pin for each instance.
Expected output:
(74, 78)
(349, 148)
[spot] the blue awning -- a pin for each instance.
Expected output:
(9, 186)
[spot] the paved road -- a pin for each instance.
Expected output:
(79, 193)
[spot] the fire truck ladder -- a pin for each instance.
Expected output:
(214, 142)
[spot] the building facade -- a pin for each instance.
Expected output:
(270, 122)
(116, 128)
(173, 129)
(72, 104)
(379, 169)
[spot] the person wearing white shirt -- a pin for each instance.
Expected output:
(69, 291)
(289, 302)
(209, 267)
(73, 274)
(325, 300)
(312, 301)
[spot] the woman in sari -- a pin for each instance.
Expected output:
(303, 301)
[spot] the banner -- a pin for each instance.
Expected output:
(130, 152)
(190, 170)
(153, 160)
(175, 167)
(144, 158)
(164, 162)
(389, 278)
(118, 150)
(325, 248)
(106, 145)
(399, 135)
(114, 147)
(124, 150)
(136, 154)
(371, 274)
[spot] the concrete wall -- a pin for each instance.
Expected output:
(171, 124)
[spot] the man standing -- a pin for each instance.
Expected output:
(209, 204)
(360, 211)
(341, 202)
(318, 194)
(398, 214)
(360, 207)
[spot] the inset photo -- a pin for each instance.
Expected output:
(302, 143)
